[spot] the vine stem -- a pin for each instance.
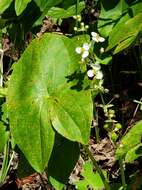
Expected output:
(122, 174)
(104, 180)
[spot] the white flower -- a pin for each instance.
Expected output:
(90, 73)
(99, 75)
(85, 54)
(102, 50)
(84, 51)
(96, 37)
(86, 46)
(96, 67)
(78, 50)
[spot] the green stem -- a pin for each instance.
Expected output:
(104, 180)
(122, 174)
(1, 68)
(5, 163)
(140, 55)
(77, 5)
(102, 99)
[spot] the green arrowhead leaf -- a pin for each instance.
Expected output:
(133, 137)
(125, 29)
(110, 13)
(4, 4)
(20, 5)
(43, 94)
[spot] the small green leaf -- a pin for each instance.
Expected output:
(20, 5)
(43, 4)
(56, 184)
(56, 12)
(4, 4)
(134, 153)
(134, 139)
(91, 179)
(125, 44)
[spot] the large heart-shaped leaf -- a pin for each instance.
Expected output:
(43, 93)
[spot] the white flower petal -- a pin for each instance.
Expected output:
(101, 39)
(90, 73)
(94, 34)
(78, 50)
(85, 54)
(102, 50)
(82, 59)
(95, 39)
(86, 46)
(99, 75)
(96, 67)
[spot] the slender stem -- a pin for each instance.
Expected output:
(102, 99)
(5, 163)
(104, 180)
(77, 5)
(122, 174)
(140, 55)
(1, 67)
(97, 129)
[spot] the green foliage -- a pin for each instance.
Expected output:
(46, 96)
(3, 136)
(42, 92)
(134, 153)
(4, 4)
(20, 5)
(110, 13)
(91, 179)
(62, 162)
(134, 139)
(125, 31)
(57, 12)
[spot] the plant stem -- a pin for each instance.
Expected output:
(1, 67)
(122, 174)
(104, 180)
(77, 5)
(4, 168)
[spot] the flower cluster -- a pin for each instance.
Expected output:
(84, 51)
(95, 71)
(81, 27)
(96, 37)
